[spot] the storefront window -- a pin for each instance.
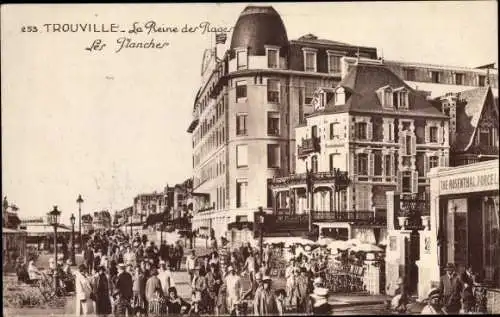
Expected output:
(491, 241)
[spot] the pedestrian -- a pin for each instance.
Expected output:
(191, 264)
(265, 300)
(302, 291)
(152, 284)
(250, 266)
(165, 277)
(102, 294)
(233, 284)
(139, 292)
(281, 302)
(129, 257)
(214, 280)
(221, 304)
(83, 292)
(450, 290)
(467, 279)
(123, 292)
(179, 255)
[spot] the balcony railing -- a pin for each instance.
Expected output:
(356, 216)
(206, 209)
(340, 178)
(308, 146)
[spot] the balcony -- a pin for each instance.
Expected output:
(206, 209)
(352, 216)
(308, 146)
(339, 178)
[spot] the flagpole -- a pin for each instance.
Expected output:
(215, 48)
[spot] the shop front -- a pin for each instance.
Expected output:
(465, 223)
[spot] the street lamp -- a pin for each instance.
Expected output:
(72, 219)
(53, 220)
(260, 215)
(79, 201)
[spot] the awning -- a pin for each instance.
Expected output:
(200, 194)
(9, 230)
(240, 225)
(45, 229)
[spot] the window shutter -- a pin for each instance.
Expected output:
(427, 133)
(414, 182)
(371, 164)
(442, 160)
(440, 135)
(414, 145)
(369, 130)
(399, 185)
(426, 164)
(402, 142)
(393, 168)
(386, 131)
(355, 164)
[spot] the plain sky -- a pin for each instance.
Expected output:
(112, 125)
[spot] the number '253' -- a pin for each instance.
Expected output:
(29, 28)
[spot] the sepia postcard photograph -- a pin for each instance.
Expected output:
(250, 159)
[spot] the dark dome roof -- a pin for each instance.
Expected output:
(259, 26)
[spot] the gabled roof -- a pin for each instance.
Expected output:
(363, 81)
(470, 109)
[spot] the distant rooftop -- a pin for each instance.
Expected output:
(311, 38)
(441, 66)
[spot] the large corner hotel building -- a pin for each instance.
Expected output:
(261, 89)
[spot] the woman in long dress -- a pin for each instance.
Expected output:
(103, 301)
(83, 289)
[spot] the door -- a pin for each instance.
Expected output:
(475, 240)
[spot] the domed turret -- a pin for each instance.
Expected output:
(259, 26)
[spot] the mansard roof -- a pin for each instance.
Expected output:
(364, 80)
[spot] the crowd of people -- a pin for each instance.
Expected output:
(131, 276)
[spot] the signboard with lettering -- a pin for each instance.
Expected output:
(469, 182)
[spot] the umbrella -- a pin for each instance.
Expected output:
(366, 247)
(325, 241)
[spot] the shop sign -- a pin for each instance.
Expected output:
(467, 183)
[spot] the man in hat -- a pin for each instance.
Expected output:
(214, 281)
(302, 290)
(265, 301)
(152, 284)
(233, 285)
(191, 264)
(450, 290)
(433, 306)
(123, 291)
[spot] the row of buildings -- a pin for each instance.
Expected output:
(317, 132)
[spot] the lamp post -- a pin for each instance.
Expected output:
(79, 201)
(260, 215)
(72, 219)
(53, 220)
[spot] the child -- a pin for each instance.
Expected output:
(157, 306)
(280, 301)
(195, 304)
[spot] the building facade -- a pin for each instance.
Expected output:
(246, 111)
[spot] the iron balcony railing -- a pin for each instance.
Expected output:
(338, 177)
(308, 146)
(285, 217)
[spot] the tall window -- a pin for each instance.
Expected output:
(332, 131)
(314, 164)
(408, 145)
(241, 124)
(241, 90)
(273, 155)
(388, 165)
(273, 123)
(459, 79)
(242, 155)
(310, 87)
(403, 97)
(331, 159)
(362, 164)
(242, 59)
(436, 77)
(377, 157)
(272, 58)
(270, 195)
(433, 162)
(361, 130)
(409, 74)
(433, 134)
(334, 63)
(406, 186)
(241, 194)
(485, 137)
(314, 131)
(388, 98)
(482, 81)
(309, 61)
(273, 90)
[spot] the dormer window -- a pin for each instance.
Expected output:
(387, 98)
(310, 59)
(272, 54)
(340, 96)
(400, 98)
(242, 58)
